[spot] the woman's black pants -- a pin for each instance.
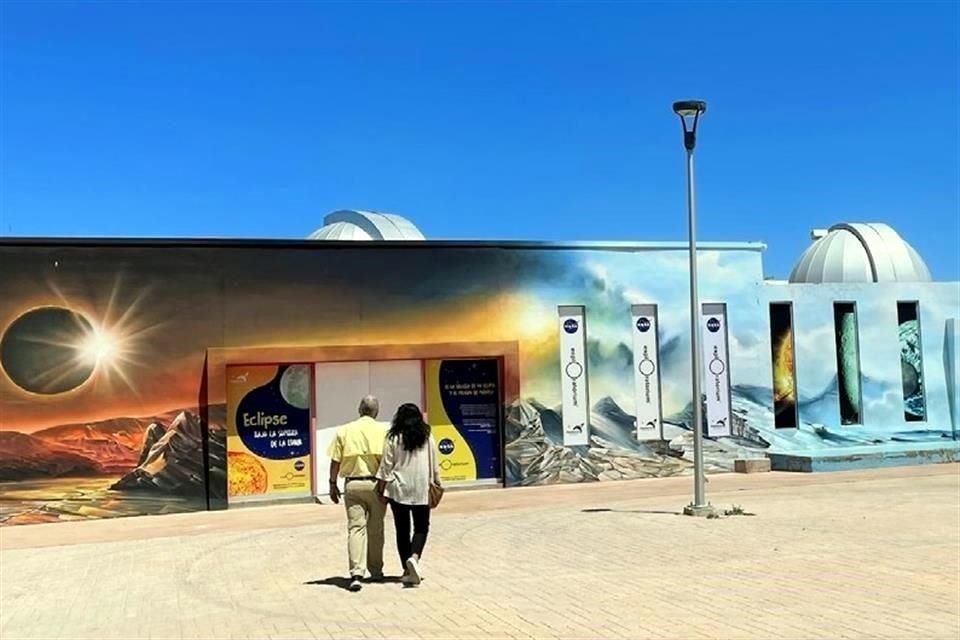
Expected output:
(408, 545)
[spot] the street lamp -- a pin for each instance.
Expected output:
(689, 112)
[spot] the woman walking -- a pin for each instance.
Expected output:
(407, 472)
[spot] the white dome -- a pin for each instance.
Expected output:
(366, 225)
(860, 252)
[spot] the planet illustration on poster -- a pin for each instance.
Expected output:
(246, 476)
(295, 386)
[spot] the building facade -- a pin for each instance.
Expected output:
(147, 377)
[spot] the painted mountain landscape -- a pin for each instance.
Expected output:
(536, 455)
(116, 467)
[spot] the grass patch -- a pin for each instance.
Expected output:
(737, 510)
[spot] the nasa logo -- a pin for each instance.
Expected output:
(298, 465)
(713, 325)
(446, 446)
(570, 325)
(643, 324)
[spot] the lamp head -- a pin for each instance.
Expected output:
(689, 108)
(690, 112)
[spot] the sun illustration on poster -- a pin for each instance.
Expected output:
(55, 349)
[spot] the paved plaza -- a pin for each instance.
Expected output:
(847, 555)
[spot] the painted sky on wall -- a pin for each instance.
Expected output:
(163, 309)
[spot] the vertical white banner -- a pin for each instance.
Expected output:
(716, 369)
(573, 375)
(646, 371)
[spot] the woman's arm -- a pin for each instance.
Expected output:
(387, 462)
(436, 462)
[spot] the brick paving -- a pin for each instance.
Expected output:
(846, 555)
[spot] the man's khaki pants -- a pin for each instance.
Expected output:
(364, 527)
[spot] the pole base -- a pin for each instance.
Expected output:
(701, 511)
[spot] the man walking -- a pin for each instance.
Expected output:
(355, 456)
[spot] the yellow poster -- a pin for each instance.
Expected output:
(268, 432)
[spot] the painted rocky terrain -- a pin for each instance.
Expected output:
(107, 447)
(536, 456)
(171, 459)
(116, 467)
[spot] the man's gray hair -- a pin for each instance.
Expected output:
(369, 406)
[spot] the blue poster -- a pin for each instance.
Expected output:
(468, 417)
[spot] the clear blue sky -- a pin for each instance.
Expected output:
(482, 120)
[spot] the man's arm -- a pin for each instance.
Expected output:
(334, 489)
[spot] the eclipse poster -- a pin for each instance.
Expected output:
(268, 431)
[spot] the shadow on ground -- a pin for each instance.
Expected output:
(647, 511)
(341, 582)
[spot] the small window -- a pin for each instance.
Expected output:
(784, 368)
(911, 361)
(848, 363)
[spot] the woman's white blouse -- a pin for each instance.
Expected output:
(408, 473)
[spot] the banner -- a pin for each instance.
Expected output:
(463, 409)
(716, 370)
(646, 371)
(268, 432)
(573, 376)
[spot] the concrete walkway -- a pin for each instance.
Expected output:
(844, 555)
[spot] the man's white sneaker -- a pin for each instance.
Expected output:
(356, 584)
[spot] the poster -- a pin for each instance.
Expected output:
(784, 369)
(463, 408)
(268, 432)
(646, 371)
(848, 362)
(911, 362)
(573, 376)
(716, 370)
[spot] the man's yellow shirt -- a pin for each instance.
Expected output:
(358, 447)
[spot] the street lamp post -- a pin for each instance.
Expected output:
(689, 112)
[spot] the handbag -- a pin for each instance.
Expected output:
(436, 491)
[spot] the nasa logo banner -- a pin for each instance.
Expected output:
(716, 369)
(573, 376)
(646, 371)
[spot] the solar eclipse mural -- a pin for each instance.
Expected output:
(103, 350)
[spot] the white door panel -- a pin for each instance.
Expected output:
(395, 382)
(341, 385)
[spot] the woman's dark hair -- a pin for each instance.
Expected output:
(408, 425)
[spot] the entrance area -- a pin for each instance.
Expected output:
(462, 400)
(284, 404)
(338, 388)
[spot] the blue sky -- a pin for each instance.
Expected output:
(482, 120)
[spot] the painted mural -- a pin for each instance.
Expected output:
(103, 406)
(784, 371)
(99, 410)
(884, 426)
(911, 361)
